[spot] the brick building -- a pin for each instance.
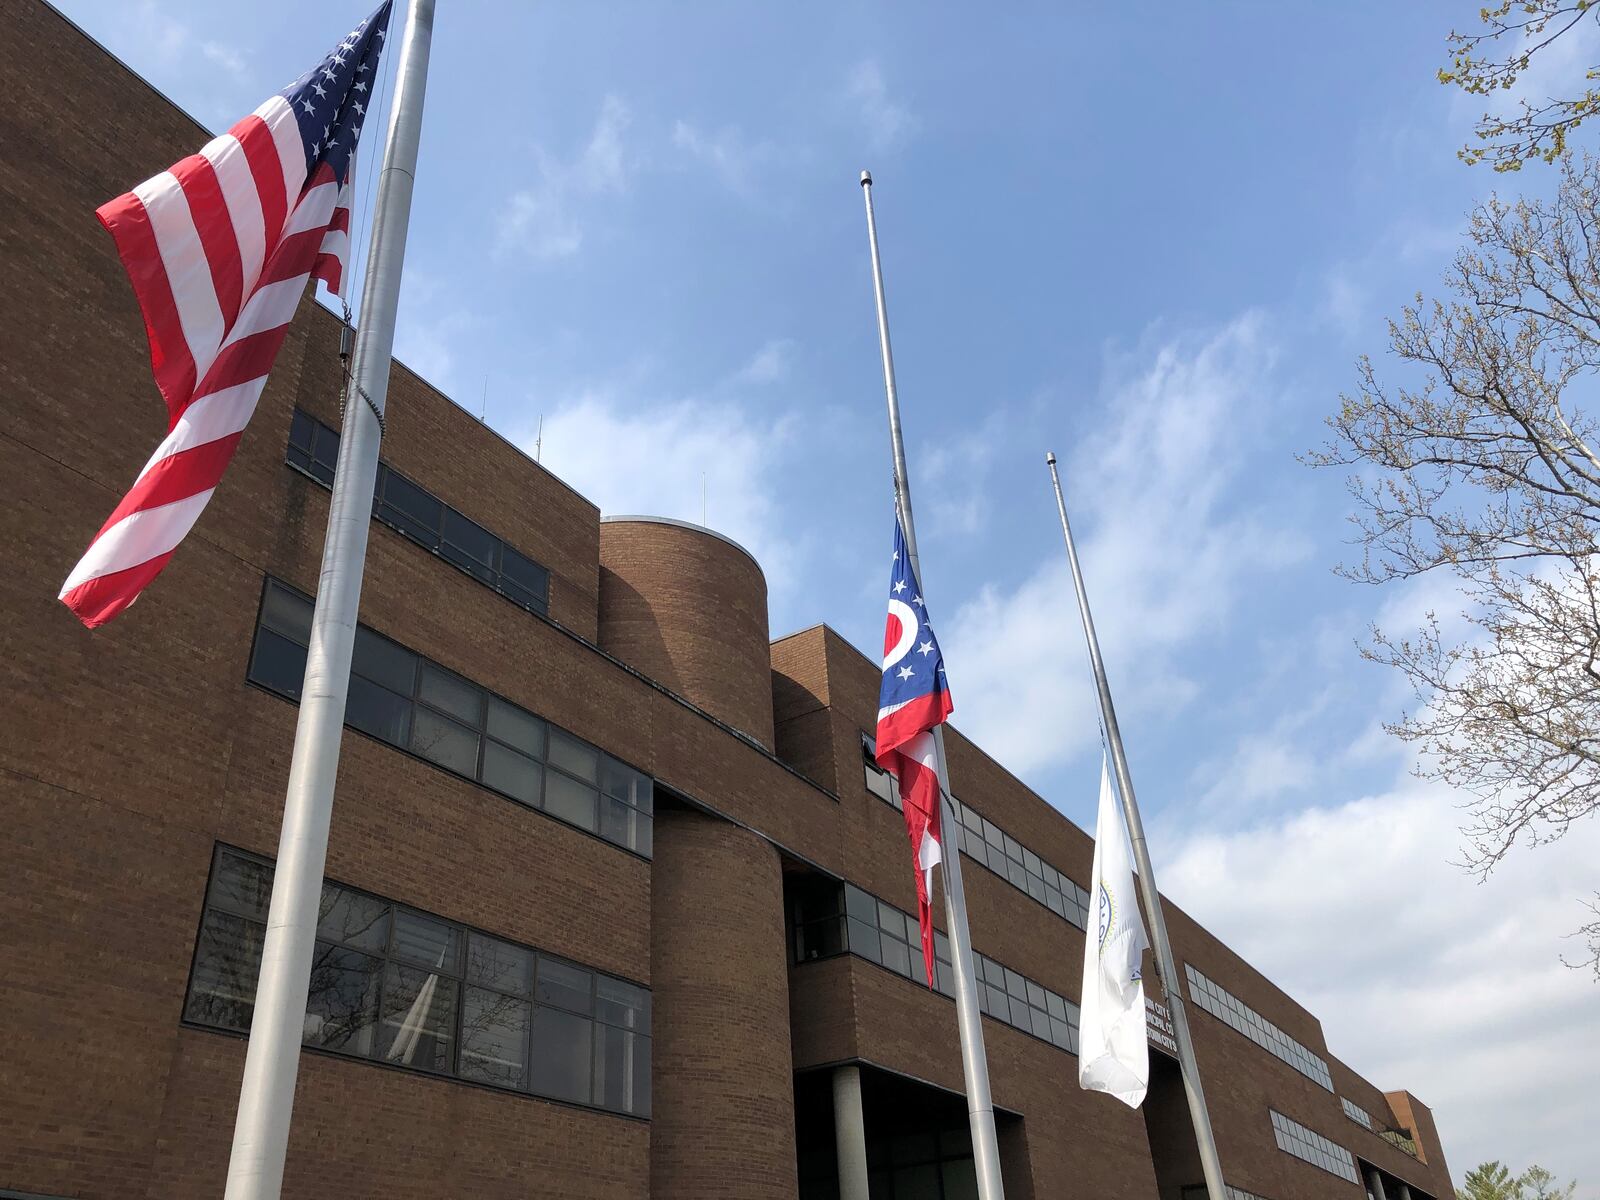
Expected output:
(618, 906)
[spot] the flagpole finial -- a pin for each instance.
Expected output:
(866, 179)
(1050, 457)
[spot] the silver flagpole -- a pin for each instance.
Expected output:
(969, 1020)
(1172, 982)
(266, 1096)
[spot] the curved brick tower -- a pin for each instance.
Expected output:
(688, 607)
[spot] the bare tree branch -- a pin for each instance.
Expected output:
(1484, 469)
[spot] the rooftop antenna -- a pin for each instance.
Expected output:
(538, 441)
(483, 408)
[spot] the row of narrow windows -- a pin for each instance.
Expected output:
(418, 514)
(830, 917)
(985, 842)
(1232, 1011)
(419, 706)
(1397, 1138)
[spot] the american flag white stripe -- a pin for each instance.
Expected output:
(227, 158)
(278, 117)
(183, 258)
(219, 249)
(211, 420)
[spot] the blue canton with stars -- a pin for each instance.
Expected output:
(913, 665)
(330, 101)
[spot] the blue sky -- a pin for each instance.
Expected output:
(1154, 246)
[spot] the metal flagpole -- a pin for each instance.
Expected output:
(1172, 983)
(266, 1096)
(969, 1020)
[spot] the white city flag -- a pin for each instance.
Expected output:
(1113, 1051)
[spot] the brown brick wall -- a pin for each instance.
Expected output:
(689, 609)
(723, 1102)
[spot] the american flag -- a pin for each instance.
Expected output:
(912, 699)
(219, 249)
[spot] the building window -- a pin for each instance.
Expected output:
(922, 1164)
(313, 448)
(830, 917)
(1232, 1011)
(1309, 1145)
(879, 782)
(399, 697)
(402, 987)
(985, 843)
(1400, 1140)
(1397, 1138)
(1356, 1113)
(425, 519)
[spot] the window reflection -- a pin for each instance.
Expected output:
(411, 990)
(404, 699)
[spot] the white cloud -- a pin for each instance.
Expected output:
(1262, 766)
(1345, 302)
(886, 121)
(432, 328)
(225, 57)
(655, 460)
(727, 155)
(1166, 548)
(954, 475)
(770, 364)
(213, 78)
(546, 219)
(1423, 978)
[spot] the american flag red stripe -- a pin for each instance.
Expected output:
(219, 256)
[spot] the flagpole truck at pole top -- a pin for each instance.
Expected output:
(266, 1095)
(1170, 980)
(969, 1021)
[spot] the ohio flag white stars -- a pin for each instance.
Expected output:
(912, 699)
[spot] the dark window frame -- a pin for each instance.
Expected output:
(986, 844)
(309, 439)
(638, 807)
(457, 975)
(855, 921)
(1233, 1012)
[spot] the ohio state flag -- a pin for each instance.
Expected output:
(912, 700)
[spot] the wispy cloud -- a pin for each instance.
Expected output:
(886, 121)
(1168, 541)
(166, 48)
(434, 327)
(738, 163)
(546, 219)
(225, 57)
(770, 364)
(669, 457)
(955, 473)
